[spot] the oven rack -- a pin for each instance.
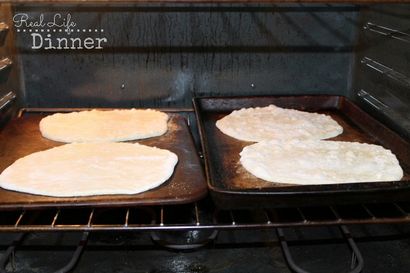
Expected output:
(198, 216)
(201, 215)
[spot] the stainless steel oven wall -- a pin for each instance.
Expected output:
(10, 83)
(162, 55)
(382, 72)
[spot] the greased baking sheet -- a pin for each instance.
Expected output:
(231, 186)
(21, 137)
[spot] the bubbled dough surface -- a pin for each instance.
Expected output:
(100, 126)
(320, 162)
(83, 169)
(272, 122)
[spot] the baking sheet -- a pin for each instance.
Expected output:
(21, 137)
(232, 186)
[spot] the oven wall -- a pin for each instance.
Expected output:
(162, 55)
(10, 84)
(382, 66)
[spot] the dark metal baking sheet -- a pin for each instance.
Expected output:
(231, 186)
(21, 136)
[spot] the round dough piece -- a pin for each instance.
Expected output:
(82, 169)
(320, 162)
(101, 126)
(272, 122)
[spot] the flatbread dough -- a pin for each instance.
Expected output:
(82, 169)
(272, 122)
(320, 162)
(101, 126)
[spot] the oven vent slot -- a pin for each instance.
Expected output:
(6, 100)
(376, 103)
(385, 70)
(5, 63)
(386, 31)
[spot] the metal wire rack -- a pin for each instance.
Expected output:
(202, 215)
(198, 216)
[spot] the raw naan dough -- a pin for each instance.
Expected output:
(101, 126)
(320, 162)
(272, 122)
(81, 169)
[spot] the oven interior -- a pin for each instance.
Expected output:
(161, 55)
